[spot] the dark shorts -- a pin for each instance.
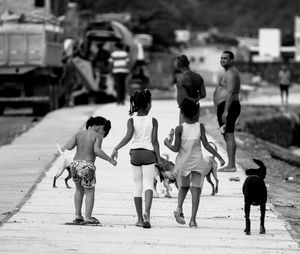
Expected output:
(284, 88)
(233, 113)
(139, 157)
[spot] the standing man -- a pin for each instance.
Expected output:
(189, 84)
(119, 61)
(226, 99)
(284, 77)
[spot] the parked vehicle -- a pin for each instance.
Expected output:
(30, 66)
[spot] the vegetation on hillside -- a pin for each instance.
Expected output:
(243, 17)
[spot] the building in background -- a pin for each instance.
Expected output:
(55, 7)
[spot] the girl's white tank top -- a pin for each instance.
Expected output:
(142, 134)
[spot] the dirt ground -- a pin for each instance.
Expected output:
(284, 196)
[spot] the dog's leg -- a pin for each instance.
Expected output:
(211, 183)
(262, 229)
(68, 178)
(247, 217)
(168, 188)
(54, 182)
(214, 173)
(155, 194)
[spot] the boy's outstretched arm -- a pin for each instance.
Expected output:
(100, 153)
(176, 146)
(208, 147)
(125, 140)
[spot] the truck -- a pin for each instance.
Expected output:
(31, 67)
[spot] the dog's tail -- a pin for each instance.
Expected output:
(262, 167)
(214, 146)
(59, 148)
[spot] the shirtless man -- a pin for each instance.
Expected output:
(189, 84)
(226, 99)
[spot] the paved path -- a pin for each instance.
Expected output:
(38, 227)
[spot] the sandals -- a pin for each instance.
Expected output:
(193, 225)
(146, 223)
(94, 221)
(78, 220)
(179, 217)
(139, 224)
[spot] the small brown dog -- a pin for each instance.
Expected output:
(166, 175)
(64, 166)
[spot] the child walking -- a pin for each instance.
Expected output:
(189, 163)
(88, 145)
(142, 130)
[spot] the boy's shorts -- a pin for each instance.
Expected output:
(83, 172)
(194, 179)
(139, 157)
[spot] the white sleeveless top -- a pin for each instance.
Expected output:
(190, 157)
(142, 134)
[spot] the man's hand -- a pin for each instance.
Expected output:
(224, 117)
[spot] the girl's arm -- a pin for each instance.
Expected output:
(100, 153)
(208, 147)
(175, 148)
(71, 143)
(154, 140)
(125, 140)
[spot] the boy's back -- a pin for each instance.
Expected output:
(85, 141)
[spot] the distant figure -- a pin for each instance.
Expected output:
(119, 67)
(226, 99)
(101, 63)
(285, 80)
(189, 84)
(88, 143)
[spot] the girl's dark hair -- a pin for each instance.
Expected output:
(189, 108)
(139, 100)
(98, 120)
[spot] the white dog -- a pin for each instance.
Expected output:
(65, 165)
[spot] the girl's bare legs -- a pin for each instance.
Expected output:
(78, 198)
(148, 177)
(138, 190)
(195, 191)
(89, 203)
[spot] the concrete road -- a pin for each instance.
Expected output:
(39, 226)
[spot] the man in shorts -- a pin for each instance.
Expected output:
(226, 99)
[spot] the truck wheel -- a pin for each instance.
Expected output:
(41, 109)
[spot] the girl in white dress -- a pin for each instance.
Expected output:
(189, 163)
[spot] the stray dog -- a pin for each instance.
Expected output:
(64, 166)
(166, 175)
(211, 168)
(255, 193)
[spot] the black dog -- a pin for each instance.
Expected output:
(255, 193)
